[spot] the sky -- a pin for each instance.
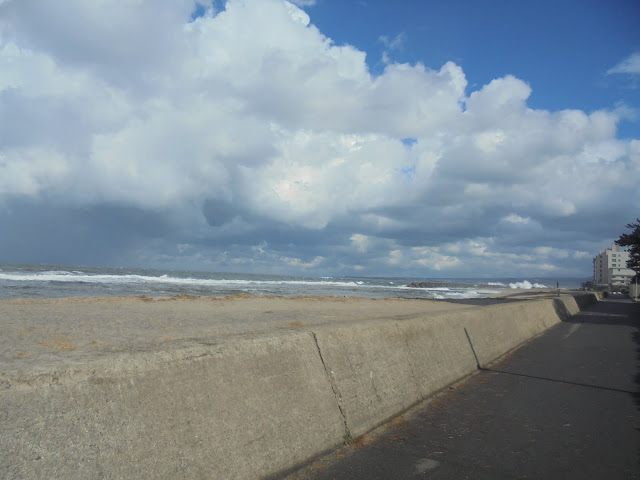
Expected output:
(469, 138)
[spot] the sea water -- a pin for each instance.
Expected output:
(50, 281)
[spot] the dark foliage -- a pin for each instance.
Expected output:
(632, 242)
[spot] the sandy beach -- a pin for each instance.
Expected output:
(47, 335)
(236, 387)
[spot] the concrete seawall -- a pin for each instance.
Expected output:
(247, 406)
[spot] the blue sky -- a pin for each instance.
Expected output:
(442, 139)
(563, 49)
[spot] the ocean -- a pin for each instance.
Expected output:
(52, 281)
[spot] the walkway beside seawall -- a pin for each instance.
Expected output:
(564, 406)
(233, 388)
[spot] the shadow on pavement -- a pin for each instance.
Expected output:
(564, 423)
(607, 312)
(615, 312)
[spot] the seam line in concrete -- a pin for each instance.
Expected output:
(334, 388)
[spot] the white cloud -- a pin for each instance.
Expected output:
(135, 104)
(503, 96)
(395, 257)
(395, 42)
(489, 142)
(298, 263)
(517, 219)
(303, 3)
(296, 13)
(392, 44)
(30, 171)
(432, 259)
(630, 65)
(360, 242)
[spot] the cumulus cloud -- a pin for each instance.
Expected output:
(283, 139)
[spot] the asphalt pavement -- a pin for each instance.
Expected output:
(564, 406)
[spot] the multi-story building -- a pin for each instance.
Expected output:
(610, 268)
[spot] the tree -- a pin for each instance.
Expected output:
(632, 241)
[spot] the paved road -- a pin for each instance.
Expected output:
(564, 406)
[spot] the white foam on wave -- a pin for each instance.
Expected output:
(79, 277)
(472, 294)
(429, 289)
(526, 285)
(249, 285)
(63, 276)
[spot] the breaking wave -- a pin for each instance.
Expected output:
(526, 285)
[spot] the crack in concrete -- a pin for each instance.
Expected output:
(334, 388)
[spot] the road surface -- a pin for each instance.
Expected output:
(564, 406)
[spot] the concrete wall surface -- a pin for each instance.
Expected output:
(237, 410)
(585, 299)
(569, 304)
(254, 406)
(379, 370)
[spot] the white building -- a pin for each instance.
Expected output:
(610, 268)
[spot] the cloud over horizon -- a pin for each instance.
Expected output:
(244, 139)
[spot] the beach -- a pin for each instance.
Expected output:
(45, 335)
(230, 387)
(41, 335)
